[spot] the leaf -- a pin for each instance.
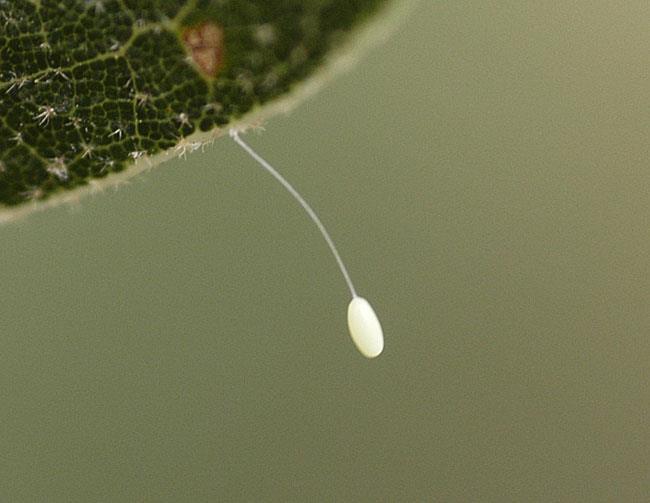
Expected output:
(90, 87)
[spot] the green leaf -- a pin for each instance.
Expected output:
(90, 87)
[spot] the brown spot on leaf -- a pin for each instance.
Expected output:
(204, 43)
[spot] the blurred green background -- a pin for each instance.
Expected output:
(486, 177)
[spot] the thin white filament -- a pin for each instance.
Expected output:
(308, 209)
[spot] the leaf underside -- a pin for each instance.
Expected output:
(87, 87)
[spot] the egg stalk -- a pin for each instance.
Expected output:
(308, 209)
